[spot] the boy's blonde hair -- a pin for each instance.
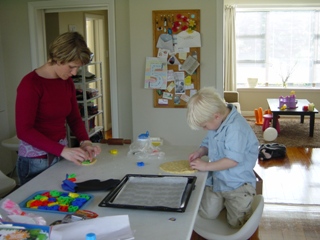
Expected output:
(203, 105)
(69, 47)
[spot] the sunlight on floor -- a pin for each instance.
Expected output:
(291, 182)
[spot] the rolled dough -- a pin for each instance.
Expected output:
(179, 167)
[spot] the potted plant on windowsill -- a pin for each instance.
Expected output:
(285, 76)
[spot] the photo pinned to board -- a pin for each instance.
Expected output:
(173, 60)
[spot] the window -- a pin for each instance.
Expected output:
(280, 48)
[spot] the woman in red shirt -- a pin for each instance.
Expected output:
(46, 101)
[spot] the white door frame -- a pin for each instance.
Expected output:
(38, 42)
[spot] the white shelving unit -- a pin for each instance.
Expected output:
(86, 83)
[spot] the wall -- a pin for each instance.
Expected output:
(52, 27)
(15, 63)
(124, 76)
(7, 157)
(170, 124)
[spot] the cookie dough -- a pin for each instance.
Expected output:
(177, 167)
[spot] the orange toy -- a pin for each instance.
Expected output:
(258, 114)
(268, 111)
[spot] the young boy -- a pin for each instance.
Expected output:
(232, 148)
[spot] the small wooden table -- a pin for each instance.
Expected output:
(276, 111)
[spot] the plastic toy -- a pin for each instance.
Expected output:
(140, 164)
(267, 118)
(55, 201)
(259, 114)
(270, 134)
(114, 151)
(311, 107)
(289, 101)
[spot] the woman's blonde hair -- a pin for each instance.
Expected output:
(203, 105)
(69, 47)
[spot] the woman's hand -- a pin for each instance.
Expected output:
(76, 155)
(90, 149)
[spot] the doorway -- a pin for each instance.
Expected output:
(96, 37)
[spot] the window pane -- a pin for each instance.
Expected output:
(250, 23)
(291, 45)
(251, 49)
(245, 71)
(278, 47)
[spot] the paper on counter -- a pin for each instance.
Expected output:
(111, 228)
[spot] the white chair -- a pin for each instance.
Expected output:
(219, 229)
(12, 144)
(7, 184)
(233, 98)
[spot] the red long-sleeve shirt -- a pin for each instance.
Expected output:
(43, 106)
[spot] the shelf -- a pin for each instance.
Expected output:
(81, 82)
(95, 130)
(92, 131)
(90, 99)
(92, 116)
(78, 81)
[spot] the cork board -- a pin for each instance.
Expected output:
(182, 60)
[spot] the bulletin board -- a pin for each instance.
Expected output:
(183, 62)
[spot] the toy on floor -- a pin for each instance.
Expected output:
(270, 134)
(259, 115)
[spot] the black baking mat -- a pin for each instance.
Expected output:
(151, 192)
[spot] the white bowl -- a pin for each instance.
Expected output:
(252, 82)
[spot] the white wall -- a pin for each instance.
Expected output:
(170, 124)
(7, 157)
(124, 68)
(15, 62)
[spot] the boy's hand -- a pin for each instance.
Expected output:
(199, 164)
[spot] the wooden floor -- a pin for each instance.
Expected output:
(291, 188)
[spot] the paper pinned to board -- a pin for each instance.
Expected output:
(190, 65)
(118, 227)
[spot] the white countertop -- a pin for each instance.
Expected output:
(145, 224)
